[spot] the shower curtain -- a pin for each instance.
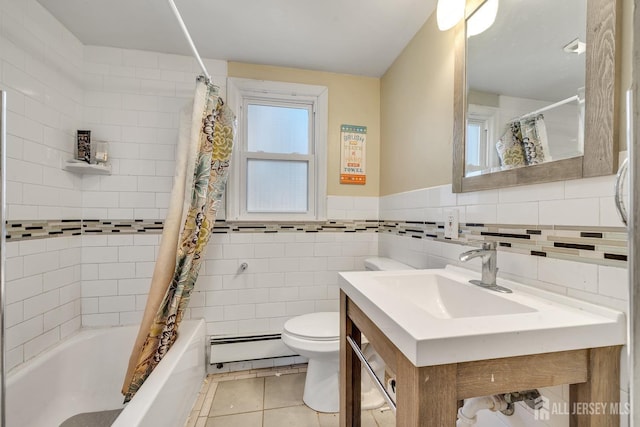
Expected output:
(204, 152)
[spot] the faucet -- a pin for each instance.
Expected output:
(489, 266)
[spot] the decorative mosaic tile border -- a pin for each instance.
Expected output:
(597, 245)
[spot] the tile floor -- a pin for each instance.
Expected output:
(266, 398)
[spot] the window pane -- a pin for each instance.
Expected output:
(277, 186)
(474, 135)
(282, 130)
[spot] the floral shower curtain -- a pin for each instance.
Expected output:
(204, 152)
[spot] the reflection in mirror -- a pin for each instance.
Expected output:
(525, 86)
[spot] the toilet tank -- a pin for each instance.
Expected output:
(382, 263)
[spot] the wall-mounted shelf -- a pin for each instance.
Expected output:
(86, 168)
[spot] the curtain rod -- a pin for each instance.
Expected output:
(176, 12)
(551, 107)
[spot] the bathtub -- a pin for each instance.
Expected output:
(85, 372)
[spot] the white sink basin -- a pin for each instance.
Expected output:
(444, 298)
(436, 317)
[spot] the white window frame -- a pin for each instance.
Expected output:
(487, 118)
(239, 91)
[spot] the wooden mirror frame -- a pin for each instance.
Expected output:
(602, 105)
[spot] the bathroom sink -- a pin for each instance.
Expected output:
(444, 298)
(437, 317)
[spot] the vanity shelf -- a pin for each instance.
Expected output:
(87, 169)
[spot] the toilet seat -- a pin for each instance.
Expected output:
(323, 326)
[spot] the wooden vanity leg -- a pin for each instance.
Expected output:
(602, 391)
(350, 370)
(426, 397)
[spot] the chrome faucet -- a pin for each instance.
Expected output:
(489, 266)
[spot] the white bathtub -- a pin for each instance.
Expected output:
(85, 373)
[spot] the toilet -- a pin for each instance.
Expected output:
(316, 336)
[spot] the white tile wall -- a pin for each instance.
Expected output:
(40, 69)
(292, 274)
(132, 100)
(579, 202)
(42, 295)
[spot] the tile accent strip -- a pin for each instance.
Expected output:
(593, 245)
(596, 245)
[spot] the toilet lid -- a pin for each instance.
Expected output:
(315, 326)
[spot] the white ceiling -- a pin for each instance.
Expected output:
(521, 54)
(361, 37)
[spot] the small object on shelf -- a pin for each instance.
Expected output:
(100, 152)
(83, 145)
(85, 168)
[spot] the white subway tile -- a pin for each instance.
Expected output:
(313, 293)
(613, 282)
(60, 315)
(138, 168)
(30, 247)
(486, 197)
(41, 343)
(39, 304)
(156, 184)
(532, 193)
(103, 100)
(602, 186)
(99, 288)
(519, 213)
(100, 199)
(40, 263)
(131, 317)
(609, 216)
(58, 278)
(157, 87)
(120, 270)
(266, 310)
(14, 268)
(90, 305)
(133, 286)
(238, 312)
(299, 278)
(296, 308)
(70, 327)
(140, 58)
(23, 332)
(99, 255)
(103, 55)
(101, 319)
(327, 305)
(14, 314)
(121, 84)
(113, 304)
(482, 214)
(570, 274)
(157, 151)
(71, 292)
(136, 254)
(342, 263)
(570, 212)
(137, 200)
(222, 297)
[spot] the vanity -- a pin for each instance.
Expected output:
(447, 340)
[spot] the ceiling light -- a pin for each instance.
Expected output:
(483, 18)
(575, 46)
(449, 13)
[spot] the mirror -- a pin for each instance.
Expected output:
(536, 94)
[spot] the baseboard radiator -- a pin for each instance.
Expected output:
(240, 349)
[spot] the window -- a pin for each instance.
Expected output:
(480, 152)
(278, 170)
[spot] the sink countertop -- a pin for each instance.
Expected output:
(537, 321)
